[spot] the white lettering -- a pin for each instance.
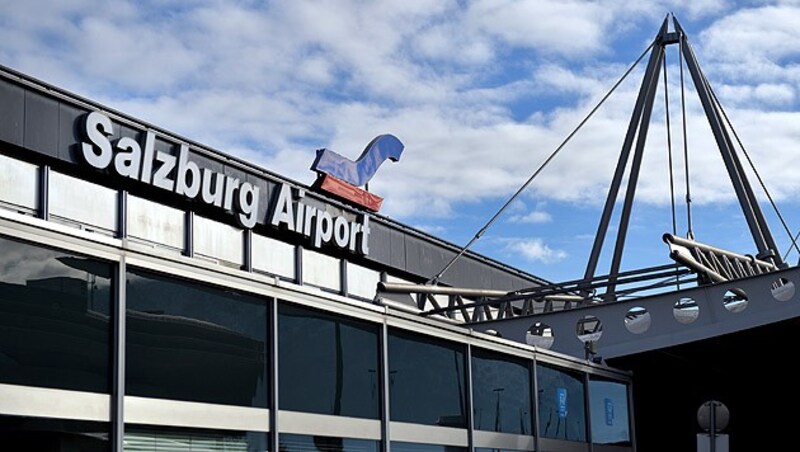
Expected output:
(98, 128)
(161, 177)
(127, 163)
(187, 167)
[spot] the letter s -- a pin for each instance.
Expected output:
(97, 128)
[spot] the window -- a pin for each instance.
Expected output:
(190, 341)
(562, 414)
(19, 183)
(155, 222)
(44, 434)
(608, 401)
(398, 446)
(273, 257)
(217, 240)
(321, 270)
(501, 390)
(170, 439)
(55, 325)
(426, 380)
(362, 282)
(328, 364)
(83, 202)
(304, 443)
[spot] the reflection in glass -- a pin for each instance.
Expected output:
(305, 443)
(54, 318)
(328, 364)
(501, 393)
(189, 341)
(171, 439)
(53, 435)
(426, 380)
(608, 401)
(562, 414)
(397, 446)
(488, 449)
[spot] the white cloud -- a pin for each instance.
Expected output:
(534, 217)
(272, 83)
(536, 250)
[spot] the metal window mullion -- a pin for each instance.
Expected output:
(298, 265)
(122, 214)
(44, 192)
(385, 387)
(272, 360)
(343, 286)
(587, 407)
(188, 236)
(468, 395)
(118, 382)
(631, 417)
(247, 245)
(535, 401)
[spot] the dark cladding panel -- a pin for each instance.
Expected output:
(206, 162)
(69, 134)
(41, 124)
(265, 189)
(424, 258)
(380, 239)
(467, 273)
(12, 113)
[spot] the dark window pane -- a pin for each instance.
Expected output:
(189, 341)
(501, 391)
(53, 435)
(397, 446)
(562, 413)
(170, 439)
(426, 380)
(488, 449)
(608, 401)
(328, 364)
(54, 318)
(305, 443)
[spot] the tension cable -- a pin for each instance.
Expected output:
(580, 125)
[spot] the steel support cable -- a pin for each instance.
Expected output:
(792, 237)
(566, 140)
(669, 159)
(689, 231)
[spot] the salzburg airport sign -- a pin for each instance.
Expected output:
(181, 175)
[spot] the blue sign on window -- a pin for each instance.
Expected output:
(609, 411)
(561, 397)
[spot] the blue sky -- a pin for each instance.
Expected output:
(480, 92)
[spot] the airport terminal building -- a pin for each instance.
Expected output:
(158, 295)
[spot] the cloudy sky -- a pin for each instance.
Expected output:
(480, 92)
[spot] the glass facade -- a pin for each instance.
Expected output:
(55, 328)
(189, 341)
(501, 393)
(53, 435)
(306, 443)
(196, 340)
(562, 411)
(398, 446)
(608, 402)
(427, 380)
(327, 364)
(160, 439)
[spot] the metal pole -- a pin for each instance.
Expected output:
(633, 179)
(713, 431)
(619, 172)
(722, 143)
